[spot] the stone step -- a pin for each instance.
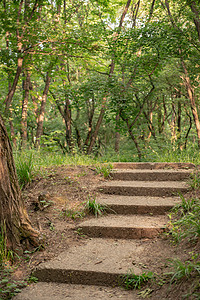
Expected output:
(144, 188)
(61, 291)
(127, 205)
(124, 227)
(151, 175)
(154, 165)
(97, 262)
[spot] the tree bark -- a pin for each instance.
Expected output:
(25, 110)
(196, 12)
(13, 215)
(100, 119)
(117, 135)
(191, 96)
(10, 95)
(68, 123)
(42, 110)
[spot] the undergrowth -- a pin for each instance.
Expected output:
(104, 169)
(134, 281)
(185, 228)
(185, 220)
(8, 287)
(95, 208)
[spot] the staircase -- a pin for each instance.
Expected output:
(137, 199)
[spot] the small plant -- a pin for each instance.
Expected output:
(133, 281)
(5, 254)
(104, 169)
(96, 209)
(195, 180)
(80, 233)
(73, 214)
(8, 288)
(185, 269)
(32, 279)
(25, 168)
(188, 225)
(185, 206)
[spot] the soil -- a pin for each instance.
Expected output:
(61, 196)
(56, 203)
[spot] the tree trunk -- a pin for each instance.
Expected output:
(173, 124)
(25, 110)
(179, 123)
(117, 135)
(112, 67)
(42, 110)
(68, 123)
(91, 110)
(191, 96)
(10, 95)
(13, 215)
(190, 126)
(100, 119)
(196, 12)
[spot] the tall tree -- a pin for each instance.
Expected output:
(13, 215)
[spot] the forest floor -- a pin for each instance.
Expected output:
(56, 203)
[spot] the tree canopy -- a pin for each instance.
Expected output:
(80, 75)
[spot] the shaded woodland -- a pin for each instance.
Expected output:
(97, 76)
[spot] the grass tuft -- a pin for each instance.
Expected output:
(185, 269)
(6, 255)
(104, 169)
(25, 168)
(133, 281)
(94, 208)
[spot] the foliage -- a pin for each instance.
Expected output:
(195, 180)
(104, 169)
(185, 269)
(25, 167)
(136, 69)
(95, 208)
(8, 288)
(5, 254)
(187, 226)
(185, 206)
(133, 281)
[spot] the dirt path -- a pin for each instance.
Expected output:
(106, 248)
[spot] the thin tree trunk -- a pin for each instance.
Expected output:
(10, 95)
(91, 109)
(25, 110)
(179, 123)
(191, 96)
(117, 135)
(42, 110)
(112, 67)
(13, 215)
(12, 130)
(196, 18)
(68, 123)
(100, 119)
(173, 124)
(188, 131)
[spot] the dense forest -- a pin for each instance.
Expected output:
(99, 81)
(101, 77)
